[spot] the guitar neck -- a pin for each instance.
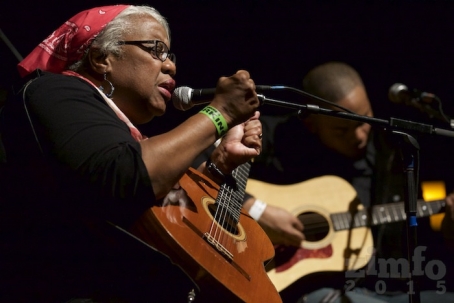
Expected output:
(383, 214)
(231, 194)
(241, 174)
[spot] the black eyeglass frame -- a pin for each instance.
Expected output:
(153, 50)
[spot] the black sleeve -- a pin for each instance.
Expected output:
(81, 132)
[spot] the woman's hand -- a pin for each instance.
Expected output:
(240, 144)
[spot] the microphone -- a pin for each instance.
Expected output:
(425, 102)
(184, 97)
(399, 93)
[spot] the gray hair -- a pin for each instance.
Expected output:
(107, 39)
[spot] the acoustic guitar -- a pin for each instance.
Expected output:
(209, 235)
(336, 226)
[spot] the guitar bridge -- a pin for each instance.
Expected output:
(219, 247)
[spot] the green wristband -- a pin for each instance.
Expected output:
(217, 118)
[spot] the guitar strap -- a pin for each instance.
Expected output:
(17, 89)
(29, 79)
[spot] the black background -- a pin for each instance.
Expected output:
(404, 41)
(278, 41)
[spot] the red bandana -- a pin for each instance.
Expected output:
(67, 44)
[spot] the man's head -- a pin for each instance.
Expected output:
(341, 84)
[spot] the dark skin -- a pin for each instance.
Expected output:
(346, 137)
(143, 86)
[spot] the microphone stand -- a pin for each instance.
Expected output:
(409, 151)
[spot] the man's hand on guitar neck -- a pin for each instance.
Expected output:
(280, 225)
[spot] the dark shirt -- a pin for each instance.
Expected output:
(73, 177)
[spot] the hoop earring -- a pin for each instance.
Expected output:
(112, 88)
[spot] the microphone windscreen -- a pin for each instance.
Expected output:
(181, 98)
(395, 92)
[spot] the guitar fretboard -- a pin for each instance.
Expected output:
(231, 194)
(382, 214)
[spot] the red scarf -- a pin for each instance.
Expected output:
(67, 44)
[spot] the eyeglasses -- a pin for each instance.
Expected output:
(157, 48)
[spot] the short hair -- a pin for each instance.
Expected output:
(331, 81)
(107, 39)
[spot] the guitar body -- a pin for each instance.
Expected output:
(227, 264)
(327, 250)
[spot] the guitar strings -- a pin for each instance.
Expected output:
(220, 217)
(379, 214)
(228, 207)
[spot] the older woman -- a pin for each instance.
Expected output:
(74, 158)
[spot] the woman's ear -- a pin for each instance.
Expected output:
(98, 61)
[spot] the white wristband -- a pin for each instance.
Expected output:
(257, 209)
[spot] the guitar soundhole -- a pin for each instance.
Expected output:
(224, 218)
(316, 227)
